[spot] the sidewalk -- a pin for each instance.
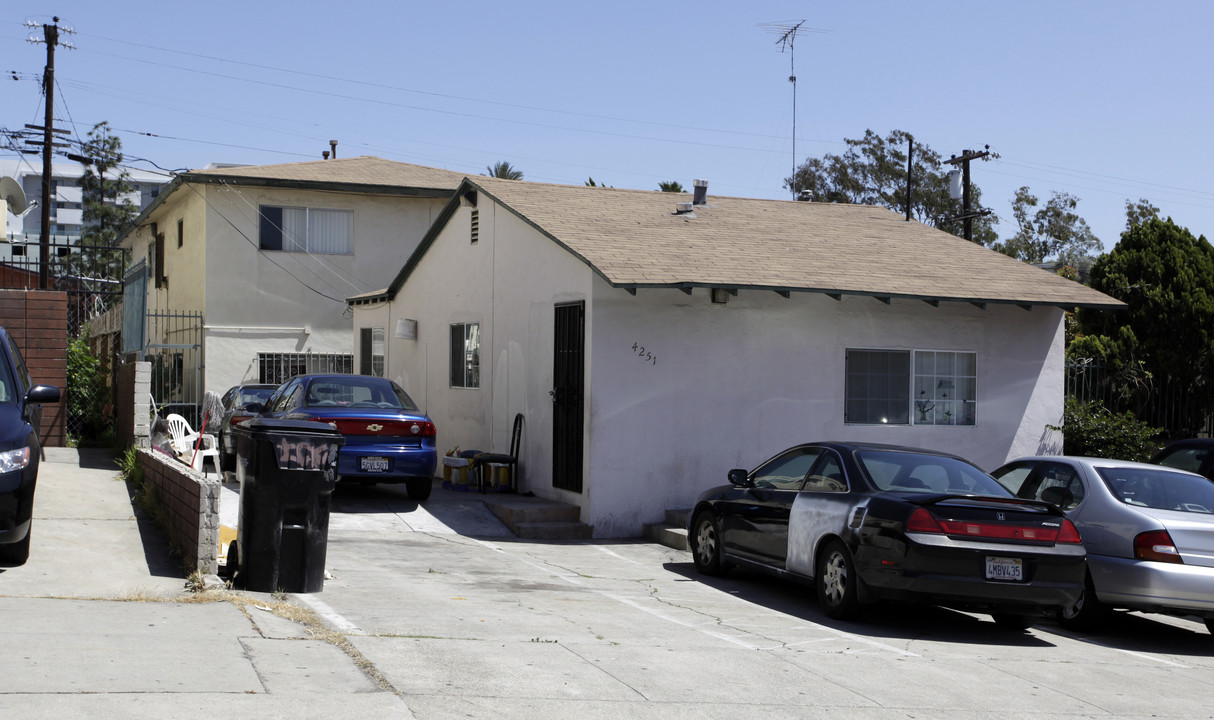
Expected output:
(99, 623)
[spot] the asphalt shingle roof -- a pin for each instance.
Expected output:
(635, 239)
(364, 170)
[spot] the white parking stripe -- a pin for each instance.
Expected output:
(330, 615)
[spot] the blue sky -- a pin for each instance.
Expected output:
(1106, 100)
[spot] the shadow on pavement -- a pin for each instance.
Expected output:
(886, 621)
(156, 550)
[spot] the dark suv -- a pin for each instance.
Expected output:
(1195, 455)
(20, 423)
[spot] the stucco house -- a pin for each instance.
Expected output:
(653, 341)
(240, 273)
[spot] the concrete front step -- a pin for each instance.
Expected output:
(672, 531)
(539, 519)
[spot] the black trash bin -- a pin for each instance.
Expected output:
(287, 471)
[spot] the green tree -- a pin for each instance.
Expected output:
(1166, 278)
(671, 186)
(108, 211)
(1050, 231)
(872, 171)
(504, 170)
(591, 183)
(1139, 212)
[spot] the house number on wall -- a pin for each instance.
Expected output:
(645, 354)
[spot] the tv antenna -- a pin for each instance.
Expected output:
(787, 31)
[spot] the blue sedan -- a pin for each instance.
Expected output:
(20, 418)
(387, 438)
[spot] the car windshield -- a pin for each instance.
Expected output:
(1160, 489)
(254, 395)
(898, 471)
(357, 391)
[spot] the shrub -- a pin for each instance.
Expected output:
(1090, 429)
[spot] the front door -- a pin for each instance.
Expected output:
(568, 385)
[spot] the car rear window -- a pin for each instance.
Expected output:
(357, 392)
(254, 395)
(1160, 489)
(925, 473)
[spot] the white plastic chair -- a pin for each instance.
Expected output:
(185, 438)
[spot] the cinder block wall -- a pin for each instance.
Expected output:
(134, 411)
(189, 505)
(37, 322)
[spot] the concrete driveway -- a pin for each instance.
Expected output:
(465, 621)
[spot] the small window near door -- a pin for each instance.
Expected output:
(466, 355)
(371, 351)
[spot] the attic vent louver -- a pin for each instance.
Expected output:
(476, 226)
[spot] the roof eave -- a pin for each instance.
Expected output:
(885, 297)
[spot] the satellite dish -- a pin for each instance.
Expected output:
(12, 193)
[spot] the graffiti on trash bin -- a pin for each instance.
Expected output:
(303, 454)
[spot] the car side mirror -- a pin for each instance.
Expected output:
(739, 477)
(43, 394)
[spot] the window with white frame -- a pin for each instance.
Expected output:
(466, 355)
(371, 351)
(302, 229)
(910, 387)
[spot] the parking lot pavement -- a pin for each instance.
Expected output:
(473, 626)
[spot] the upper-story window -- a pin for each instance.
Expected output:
(302, 229)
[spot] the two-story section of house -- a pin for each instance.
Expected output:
(240, 273)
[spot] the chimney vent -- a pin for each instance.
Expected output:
(701, 192)
(325, 154)
(333, 145)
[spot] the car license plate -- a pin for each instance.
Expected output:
(1005, 569)
(375, 464)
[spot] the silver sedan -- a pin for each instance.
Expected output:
(1148, 530)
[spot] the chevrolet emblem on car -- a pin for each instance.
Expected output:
(375, 427)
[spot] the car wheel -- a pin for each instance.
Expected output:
(17, 553)
(419, 488)
(835, 581)
(1012, 622)
(705, 543)
(1087, 611)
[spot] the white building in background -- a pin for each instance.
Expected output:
(67, 202)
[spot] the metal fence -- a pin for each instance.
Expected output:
(174, 348)
(1160, 403)
(277, 368)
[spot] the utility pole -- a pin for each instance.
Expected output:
(51, 38)
(964, 162)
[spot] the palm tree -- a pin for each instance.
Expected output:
(505, 171)
(671, 186)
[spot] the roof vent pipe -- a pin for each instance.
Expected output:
(325, 154)
(333, 145)
(701, 194)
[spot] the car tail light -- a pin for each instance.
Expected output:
(393, 428)
(1069, 534)
(921, 520)
(237, 419)
(1156, 545)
